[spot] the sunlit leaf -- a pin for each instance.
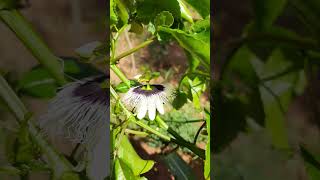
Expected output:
(123, 171)
(122, 12)
(193, 44)
(129, 156)
(113, 16)
(202, 6)
(197, 87)
(185, 13)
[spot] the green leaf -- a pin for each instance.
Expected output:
(193, 62)
(136, 28)
(113, 16)
(164, 18)
(122, 11)
(38, 83)
(123, 171)
(123, 88)
(201, 25)
(276, 96)
(180, 99)
(192, 43)
(147, 10)
(240, 66)
(78, 70)
(129, 156)
(201, 6)
(185, 13)
(151, 28)
(178, 167)
(235, 102)
(197, 87)
(267, 12)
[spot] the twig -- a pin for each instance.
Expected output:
(127, 53)
(198, 132)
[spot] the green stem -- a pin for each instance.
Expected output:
(24, 31)
(56, 161)
(162, 123)
(180, 140)
(127, 53)
(119, 73)
(131, 118)
(138, 133)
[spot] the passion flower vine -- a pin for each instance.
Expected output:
(148, 98)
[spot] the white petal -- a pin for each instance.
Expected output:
(151, 108)
(159, 105)
(142, 109)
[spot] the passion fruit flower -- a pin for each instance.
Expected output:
(80, 113)
(147, 98)
(78, 110)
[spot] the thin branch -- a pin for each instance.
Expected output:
(31, 40)
(182, 142)
(138, 133)
(183, 122)
(127, 53)
(119, 73)
(198, 132)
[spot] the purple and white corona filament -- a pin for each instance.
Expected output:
(78, 111)
(143, 100)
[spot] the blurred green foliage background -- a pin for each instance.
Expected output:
(265, 90)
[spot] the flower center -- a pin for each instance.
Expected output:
(147, 87)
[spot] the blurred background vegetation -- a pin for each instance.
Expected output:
(64, 26)
(265, 90)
